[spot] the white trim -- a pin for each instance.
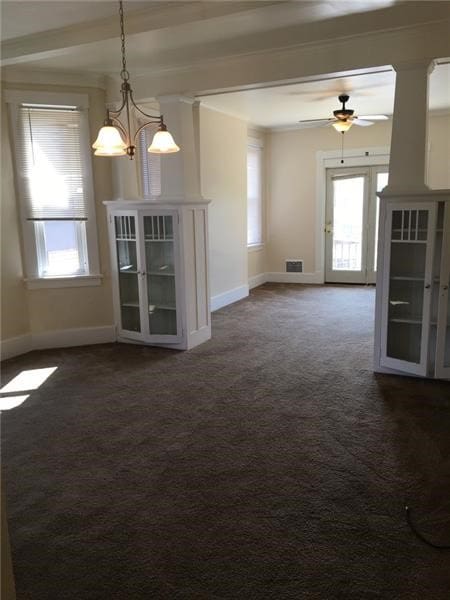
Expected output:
(280, 277)
(221, 300)
(354, 157)
(62, 338)
(15, 346)
(42, 77)
(257, 280)
(81, 101)
(63, 282)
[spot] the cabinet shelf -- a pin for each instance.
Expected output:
(148, 241)
(162, 307)
(406, 278)
(416, 321)
(161, 273)
(408, 241)
(130, 304)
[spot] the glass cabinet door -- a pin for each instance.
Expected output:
(406, 309)
(128, 274)
(443, 313)
(160, 268)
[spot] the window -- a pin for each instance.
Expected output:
(150, 164)
(54, 177)
(254, 194)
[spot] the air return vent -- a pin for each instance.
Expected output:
(294, 266)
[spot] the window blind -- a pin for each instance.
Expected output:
(150, 163)
(50, 163)
(254, 196)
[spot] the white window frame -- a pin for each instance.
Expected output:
(258, 144)
(33, 242)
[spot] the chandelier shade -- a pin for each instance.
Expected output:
(109, 142)
(163, 143)
(342, 126)
(116, 138)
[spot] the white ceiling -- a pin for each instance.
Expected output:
(83, 37)
(22, 17)
(284, 106)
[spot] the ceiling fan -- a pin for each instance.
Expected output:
(343, 118)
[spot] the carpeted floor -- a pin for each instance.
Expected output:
(268, 463)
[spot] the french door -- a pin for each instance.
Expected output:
(351, 230)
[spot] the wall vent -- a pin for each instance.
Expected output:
(294, 266)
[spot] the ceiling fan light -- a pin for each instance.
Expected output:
(163, 143)
(109, 142)
(342, 126)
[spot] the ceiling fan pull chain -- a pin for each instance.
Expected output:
(342, 148)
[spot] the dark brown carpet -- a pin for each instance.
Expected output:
(269, 463)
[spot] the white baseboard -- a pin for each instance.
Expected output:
(257, 280)
(229, 297)
(314, 278)
(14, 346)
(63, 338)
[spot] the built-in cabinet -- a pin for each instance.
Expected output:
(413, 315)
(160, 272)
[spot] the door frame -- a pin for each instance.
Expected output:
(355, 157)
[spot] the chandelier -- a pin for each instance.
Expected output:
(115, 138)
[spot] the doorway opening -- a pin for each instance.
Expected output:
(351, 217)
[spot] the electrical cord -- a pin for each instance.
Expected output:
(419, 535)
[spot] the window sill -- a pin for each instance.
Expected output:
(63, 282)
(255, 247)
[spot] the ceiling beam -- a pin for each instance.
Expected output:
(50, 43)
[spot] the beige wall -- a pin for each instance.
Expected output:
(33, 311)
(439, 152)
(291, 207)
(14, 301)
(223, 165)
(292, 171)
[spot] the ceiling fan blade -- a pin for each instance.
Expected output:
(361, 122)
(373, 117)
(314, 123)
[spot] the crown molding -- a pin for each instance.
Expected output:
(13, 75)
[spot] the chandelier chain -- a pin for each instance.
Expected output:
(124, 74)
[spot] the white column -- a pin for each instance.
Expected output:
(180, 171)
(407, 169)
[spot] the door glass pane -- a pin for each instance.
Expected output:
(125, 227)
(160, 269)
(382, 181)
(348, 201)
(406, 285)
